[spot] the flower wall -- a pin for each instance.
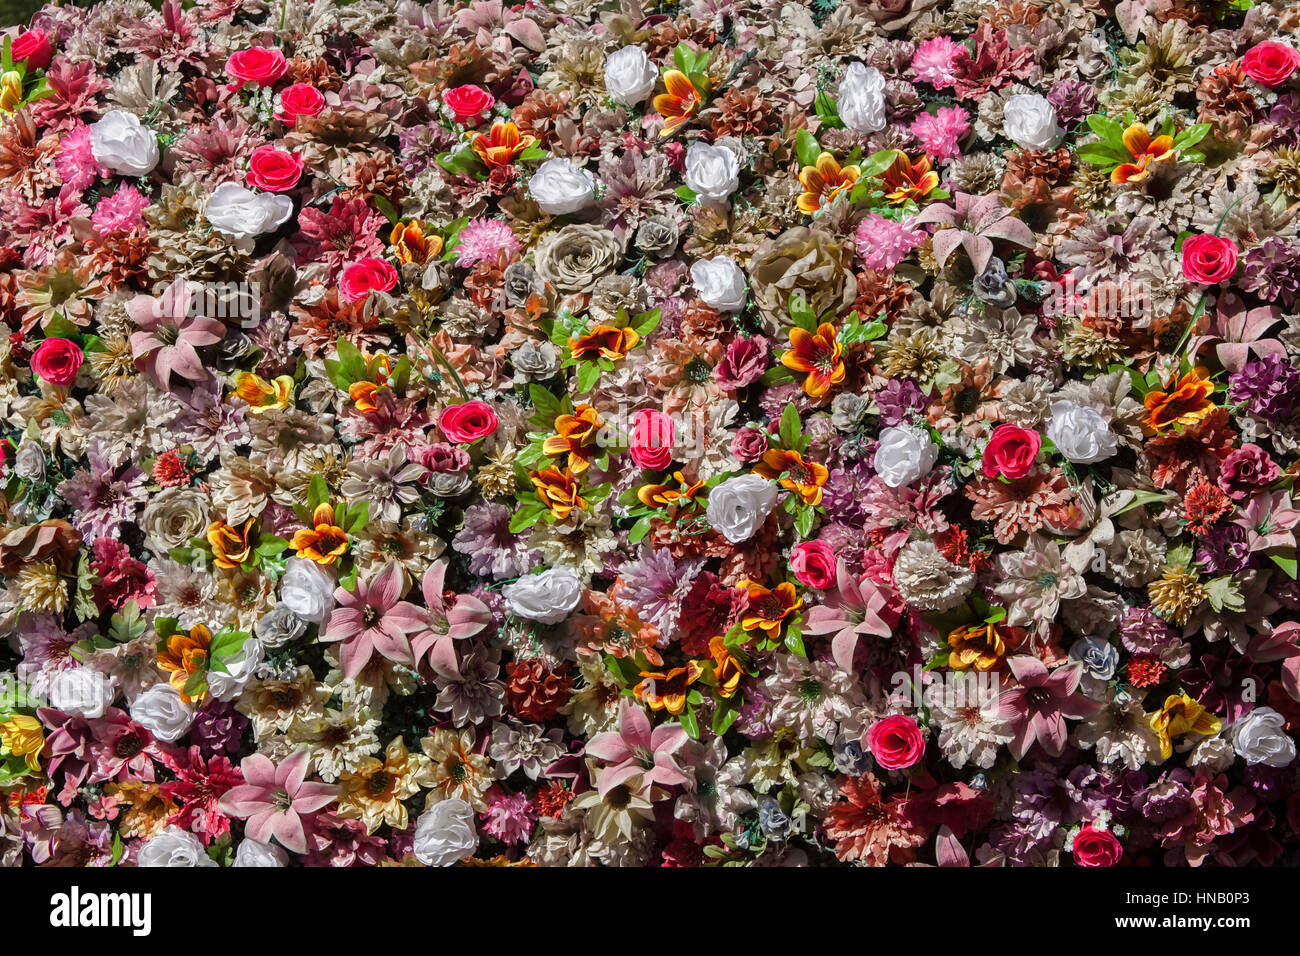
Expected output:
(715, 432)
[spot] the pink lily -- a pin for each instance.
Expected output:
(371, 619)
(636, 749)
(976, 221)
(275, 799)
(851, 612)
(445, 625)
(1037, 708)
(170, 335)
(1236, 331)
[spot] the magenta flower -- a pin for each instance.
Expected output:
(170, 334)
(274, 800)
(851, 611)
(371, 618)
(636, 749)
(445, 625)
(1037, 708)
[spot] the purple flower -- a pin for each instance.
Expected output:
(103, 495)
(491, 547)
(1267, 386)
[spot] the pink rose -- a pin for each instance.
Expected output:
(274, 170)
(468, 103)
(57, 361)
(259, 64)
(813, 564)
(896, 742)
(652, 439)
(1094, 847)
(749, 444)
(366, 276)
(467, 422)
(1270, 63)
(443, 458)
(1246, 470)
(1208, 259)
(32, 48)
(300, 99)
(744, 363)
(1011, 451)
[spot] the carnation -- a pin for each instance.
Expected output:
(928, 580)
(935, 62)
(883, 243)
(120, 211)
(941, 132)
(484, 240)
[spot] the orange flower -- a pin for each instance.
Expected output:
(667, 496)
(575, 435)
(667, 690)
(558, 489)
(804, 478)
(679, 103)
(181, 655)
(817, 354)
(606, 341)
(363, 396)
(1186, 404)
(411, 244)
(264, 396)
(1145, 151)
(325, 542)
(977, 645)
(909, 180)
(727, 672)
(768, 608)
(608, 626)
(230, 547)
(502, 145)
(823, 182)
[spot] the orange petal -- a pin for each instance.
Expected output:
(1136, 139)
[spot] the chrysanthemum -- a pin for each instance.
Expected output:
(510, 817)
(485, 239)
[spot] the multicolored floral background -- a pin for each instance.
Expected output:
(715, 432)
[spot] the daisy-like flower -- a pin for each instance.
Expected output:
(456, 769)
(375, 791)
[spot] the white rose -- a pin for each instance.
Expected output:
(1080, 433)
(1030, 122)
(174, 847)
(740, 505)
(712, 172)
(161, 711)
(241, 213)
(561, 187)
(547, 597)
(862, 99)
(239, 667)
(629, 75)
(82, 692)
(253, 853)
(445, 833)
(1261, 737)
(120, 142)
(307, 589)
(720, 283)
(906, 453)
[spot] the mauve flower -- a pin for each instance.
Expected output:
(851, 611)
(463, 617)
(276, 799)
(170, 335)
(744, 363)
(1037, 708)
(372, 618)
(634, 745)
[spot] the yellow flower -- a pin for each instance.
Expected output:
(263, 396)
(1181, 715)
(374, 793)
(11, 90)
(22, 736)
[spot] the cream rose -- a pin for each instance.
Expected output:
(905, 454)
(120, 142)
(862, 99)
(547, 597)
(712, 172)
(560, 187)
(720, 283)
(445, 833)
(242, 213)
(629, 75)
(739, 506)
(1030, 122)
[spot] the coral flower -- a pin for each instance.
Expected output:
(230, 546)
(575, 436)
(183, 655)
(768, 608)
(1185, 404)
(502, 145)
(819, 355)
(558, 490)
(791, 472)
(263, 396)
(727, 669)
(411, 244)
(667, 690)
(1145, 151)
(679, 103)
(824, 181)
(910, 180)
(325, 541)
(363, 396)
(606, 341)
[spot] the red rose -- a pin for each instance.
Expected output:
(467, 422)
(652, 440)
(813, 564)
(300, 99)
(896, 742)
(57, 361)
(1094, 847)
(1011, 452)
(366, 276)
(1208, 259)
(468, 103)
(32, 48)
(259, 64)
(275, 170)
(1270, 63)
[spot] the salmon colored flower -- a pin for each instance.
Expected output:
(411, 244)
(819, 355)
(182, 655)
(502, 145)
(325, 541)
(263, 396)
(230, 546)
(559, 490)
(1145, 151)
(788, 469)
(824, 181)
(767, 609)
(667, 690)
(910, 180)
(680, 102)
(575, 436)
(605, 341)
(1184, 404)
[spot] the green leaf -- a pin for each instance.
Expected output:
(727, 711)
(646, 322)
(1111, 131)
(876, 164)
(827, 111)
(804, 518)
(127, 624)
(690, 723)
(794, 641)
(588, 376)
(806, 148)
(640, 529)
(384, 206)
(686, 194)
(1100, 155)
(317, 492)
(789, 429)
(1286, 563)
